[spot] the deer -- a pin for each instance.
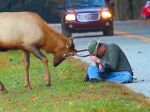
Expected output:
(28, 32)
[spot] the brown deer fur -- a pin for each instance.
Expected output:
(2, 88)
(28, 32)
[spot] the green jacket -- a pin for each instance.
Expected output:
(115, 58)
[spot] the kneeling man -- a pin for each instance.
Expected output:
(111, 64)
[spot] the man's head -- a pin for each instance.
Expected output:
(95, 48)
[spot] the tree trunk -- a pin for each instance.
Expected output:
(128, 9)
(137, 5)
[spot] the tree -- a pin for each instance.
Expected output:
(124, 9)
(128, 9)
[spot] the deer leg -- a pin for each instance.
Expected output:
(2, 88)
(35, 51)
(26, 59)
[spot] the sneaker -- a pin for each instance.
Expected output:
(86, 79)
(95, 80)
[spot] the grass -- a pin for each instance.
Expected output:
(68, 92)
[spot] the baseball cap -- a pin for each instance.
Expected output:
(93, 47)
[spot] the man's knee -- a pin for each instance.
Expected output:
(92, 69)
(93, 72)
(128, 78)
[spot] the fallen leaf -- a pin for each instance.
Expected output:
(33, 98)
(71, 103)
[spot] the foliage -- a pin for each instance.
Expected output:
(45, 8)
(128, 9)
(68, 92)
(124, 9)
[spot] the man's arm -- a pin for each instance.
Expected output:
(112, 58)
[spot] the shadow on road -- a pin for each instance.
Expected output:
(87, 36)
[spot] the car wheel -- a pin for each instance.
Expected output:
(65, 31)
(108, 31)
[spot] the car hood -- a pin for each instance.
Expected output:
(75, 10)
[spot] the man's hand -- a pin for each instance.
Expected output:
(95, 59)
(100, 67)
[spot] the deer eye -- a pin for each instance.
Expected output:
(64, 55)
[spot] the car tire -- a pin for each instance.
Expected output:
(109, 31)
(65, 31)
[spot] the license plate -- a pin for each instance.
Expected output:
(87, 17)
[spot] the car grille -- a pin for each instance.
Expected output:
(87, 17)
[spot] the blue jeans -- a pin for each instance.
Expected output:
(119, 77)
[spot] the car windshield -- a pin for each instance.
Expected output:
(86, 3)
(147, 3)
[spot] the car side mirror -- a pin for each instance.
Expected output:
(61, 7)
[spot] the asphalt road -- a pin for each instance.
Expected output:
(134, 39)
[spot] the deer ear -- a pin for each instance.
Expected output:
(70, 41)
(71, 38)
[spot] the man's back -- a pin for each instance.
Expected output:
(116, 58)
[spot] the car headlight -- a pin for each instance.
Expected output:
(70, 17)
(106, 14)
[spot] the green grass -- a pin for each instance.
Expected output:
(68, 92)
